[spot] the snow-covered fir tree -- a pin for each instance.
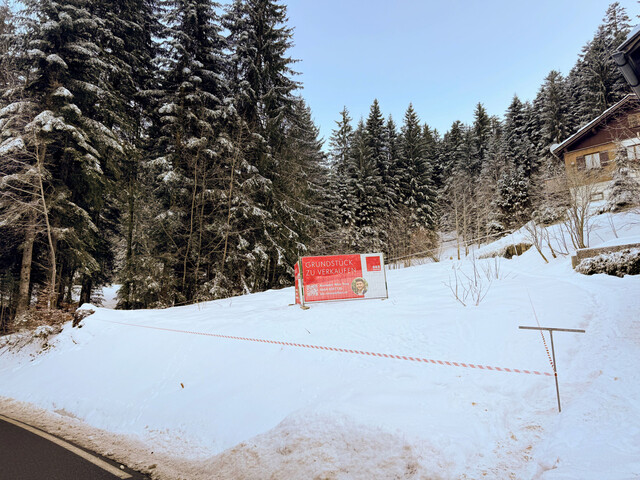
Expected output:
(133, 26)
(341, 145)
(595, 83)
(415, 193)
(376, 139)
(551, 109)
(268, 221)
(480, 135)
(365, 186)
(60, 116)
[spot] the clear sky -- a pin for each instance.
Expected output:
(444, 56)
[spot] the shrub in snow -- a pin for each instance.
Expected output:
(508, 251)
(45, 331)
(549, 215)
(495, 228)
(624, 262)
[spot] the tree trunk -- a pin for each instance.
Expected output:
(128, 284)
(200, 231)
(85, 292)
(455, 211)
(25, 269)
(230, 196)
(192, 214)
(40, 156)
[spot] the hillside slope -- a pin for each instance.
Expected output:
(170, 392)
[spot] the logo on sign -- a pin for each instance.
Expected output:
(373, 264)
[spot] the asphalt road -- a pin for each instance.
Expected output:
(25, 455)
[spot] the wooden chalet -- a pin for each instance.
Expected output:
(591, 152)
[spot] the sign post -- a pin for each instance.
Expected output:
(340, 277)
(553, 353)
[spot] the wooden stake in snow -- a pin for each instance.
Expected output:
(553, 353)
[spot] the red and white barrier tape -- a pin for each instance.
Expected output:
(342, 350)
(547, 349)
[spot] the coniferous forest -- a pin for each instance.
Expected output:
(165, 146)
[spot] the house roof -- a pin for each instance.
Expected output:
(632, 38)
(586, 130)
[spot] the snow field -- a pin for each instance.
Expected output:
(210, 407)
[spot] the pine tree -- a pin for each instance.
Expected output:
(514, 187)
(192, 140)
(311, 211)
(595, 82)
(9, 43)
(364, 183)
(341, 146)
(552, 109)
(60, 115)
(377, 147)
(126, 36)
(392, 151)
(10, 233)
(481, 131)
(263, 87)
(416, 192)
(493, 166)
(433, 155)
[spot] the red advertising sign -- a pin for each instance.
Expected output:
(340, 277)
(373, 264)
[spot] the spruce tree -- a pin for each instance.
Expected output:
(493, 166)
(595, 83)
(340, 140)
(11, 233)
(263, 91)
(453, 151)
(514, 187)
(552, 109)
(365, 186)
(434, 155)
(379, 182)
(481, 132)
(341, 145)
(192, 140)
(416, 192)
(59, 115)
(392, 151)
(310, 209)
(127, 37)
(9, 43)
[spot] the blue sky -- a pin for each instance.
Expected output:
(443, 56)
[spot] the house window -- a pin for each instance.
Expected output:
(592, 161)
(633, 152)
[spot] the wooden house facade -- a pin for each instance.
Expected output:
(590, 154)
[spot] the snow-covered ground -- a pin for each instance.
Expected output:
(132, 385)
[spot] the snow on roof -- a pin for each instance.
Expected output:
(555, 149)
(631, 38)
